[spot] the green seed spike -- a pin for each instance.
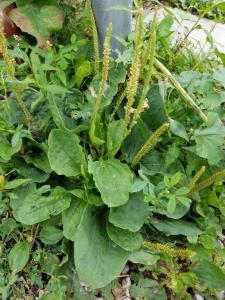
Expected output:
(11, 73)
(150, 143)
(105, 71)
(150, 54)
(184, 253)
(196, 178)
(135, 69)
(180, 89)
(206, 183)
(95, 35)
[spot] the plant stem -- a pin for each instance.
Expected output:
(180, 89)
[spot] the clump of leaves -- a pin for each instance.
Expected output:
(94, 183)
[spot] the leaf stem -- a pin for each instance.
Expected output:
(180, 89)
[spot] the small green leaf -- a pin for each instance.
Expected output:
(129, 241)
(19, 256)
(143, 257)
(114, 181)
(171, 205)
(82, 71)
(50, 235)
(178, 129)
(65, 154)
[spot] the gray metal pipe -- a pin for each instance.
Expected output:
(121, 21)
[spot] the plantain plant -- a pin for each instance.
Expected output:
(89, 175)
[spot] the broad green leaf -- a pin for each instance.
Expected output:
(97, 259)
(82, 71)
(206, 272)
(156, 115)
(129, 241)
(210, 140)
(19, 256)
(57, 118)
(29, 171)
(115, 136)
(114, 181)
(38, 21)
(219, 75)
(132, 215)
(178, 129)
(35, 207)
(10, 185)
(174, 227)
(143, 257)
(72, 217)
(50, 235)
(65, 154)
(6, 148)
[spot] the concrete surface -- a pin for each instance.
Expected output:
(185, 21)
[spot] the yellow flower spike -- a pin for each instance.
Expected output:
(2, 180)
(150, 54)
(135, 69)
(196, 178)
(105, 73)
(95, 35)
(185, 253)
(206, 183)
(150, 143)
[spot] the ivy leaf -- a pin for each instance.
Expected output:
(34, 206)
(114, 181)
(98, 260)
(210, 140)
(65, 154)
(19, 256)
(129, 241)
(132, 215)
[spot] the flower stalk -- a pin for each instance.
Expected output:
(150, 143)
(180, 89)
(150, 53)
(105, 73)
(95, 35)
(11, 73)
(135, 69)
(196, 178)
(184, 253)
(206, 183)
